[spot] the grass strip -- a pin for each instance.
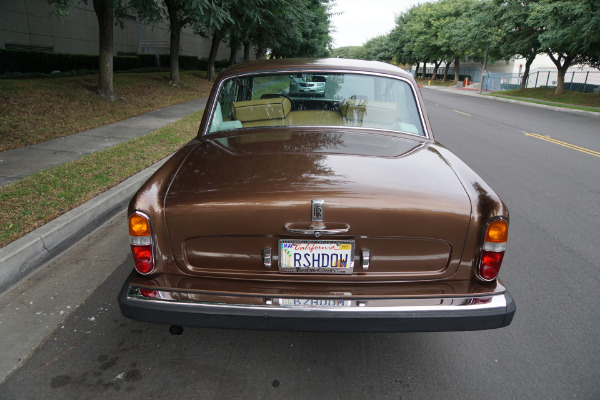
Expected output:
(34, 201)
(436, 82)
(547, 103)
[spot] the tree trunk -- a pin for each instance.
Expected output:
(174, 56)
(526, 73)
(212, 56)
(446, 69)
(247, 51)
(175, 25)
(562, 62)
(232, 54)
(456, 69)
(417, 70)
(435, 69)
(260, 53)
(105, 16)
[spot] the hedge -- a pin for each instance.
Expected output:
(31, 61)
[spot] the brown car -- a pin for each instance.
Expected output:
(335, 211)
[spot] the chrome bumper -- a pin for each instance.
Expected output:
(369, 315)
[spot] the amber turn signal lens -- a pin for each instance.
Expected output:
(497, 231)
(138, 226)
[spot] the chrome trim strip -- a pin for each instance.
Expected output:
(465, 304)
(317, 231)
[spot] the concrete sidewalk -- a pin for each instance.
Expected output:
(18, 163)
(32, 251)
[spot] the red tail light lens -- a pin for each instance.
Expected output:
(149, 293)
(490, 264)
(142, 258)
(494, 246)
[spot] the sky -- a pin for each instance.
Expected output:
(361, 20)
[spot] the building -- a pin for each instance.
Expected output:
(503, 75)
(30, 25)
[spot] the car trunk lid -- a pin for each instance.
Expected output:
(235, 196)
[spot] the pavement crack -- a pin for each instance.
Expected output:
(54, 359)
(44, 245)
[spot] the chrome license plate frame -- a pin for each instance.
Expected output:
(300, 256)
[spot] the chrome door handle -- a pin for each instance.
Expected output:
(316, 231)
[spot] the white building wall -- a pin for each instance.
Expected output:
(31, 23)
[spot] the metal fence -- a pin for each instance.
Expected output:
(579, 81)
(473, 72)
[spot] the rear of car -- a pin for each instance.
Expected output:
(335, 211)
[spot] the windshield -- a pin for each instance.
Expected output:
(316, 99)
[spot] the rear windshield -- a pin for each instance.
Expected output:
(316, 99)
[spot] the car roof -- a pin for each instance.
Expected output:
(315, 65)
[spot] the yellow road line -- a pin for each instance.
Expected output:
(460, 112)
(564, 144)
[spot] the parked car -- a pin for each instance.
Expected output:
(307, 85)
(337, 213)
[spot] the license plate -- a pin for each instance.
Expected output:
(314, 303)
(316, 256)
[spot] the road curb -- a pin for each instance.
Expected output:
(25, 255)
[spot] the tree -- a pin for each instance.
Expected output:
(401, 41)
(378, 49)
(518, 37)
(298, 29)
(453, 39)
(105, 14)
(347, 52)
(571, 33)
(432, 32)
(179, 14)
(241, 15)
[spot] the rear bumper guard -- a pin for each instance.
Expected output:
(369, 315)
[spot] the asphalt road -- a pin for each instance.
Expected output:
(551, 350)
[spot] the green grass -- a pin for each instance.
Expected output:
(546, 96)
(33, 201)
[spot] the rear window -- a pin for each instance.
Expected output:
(316, 99)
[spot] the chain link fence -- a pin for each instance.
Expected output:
(579, 81)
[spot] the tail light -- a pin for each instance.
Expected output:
(493, 249)
(141, 243)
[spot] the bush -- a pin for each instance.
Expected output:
(147, 60)
(32, 61)
(125, 63)
(24, 62)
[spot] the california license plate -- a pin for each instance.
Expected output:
(316, 256)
